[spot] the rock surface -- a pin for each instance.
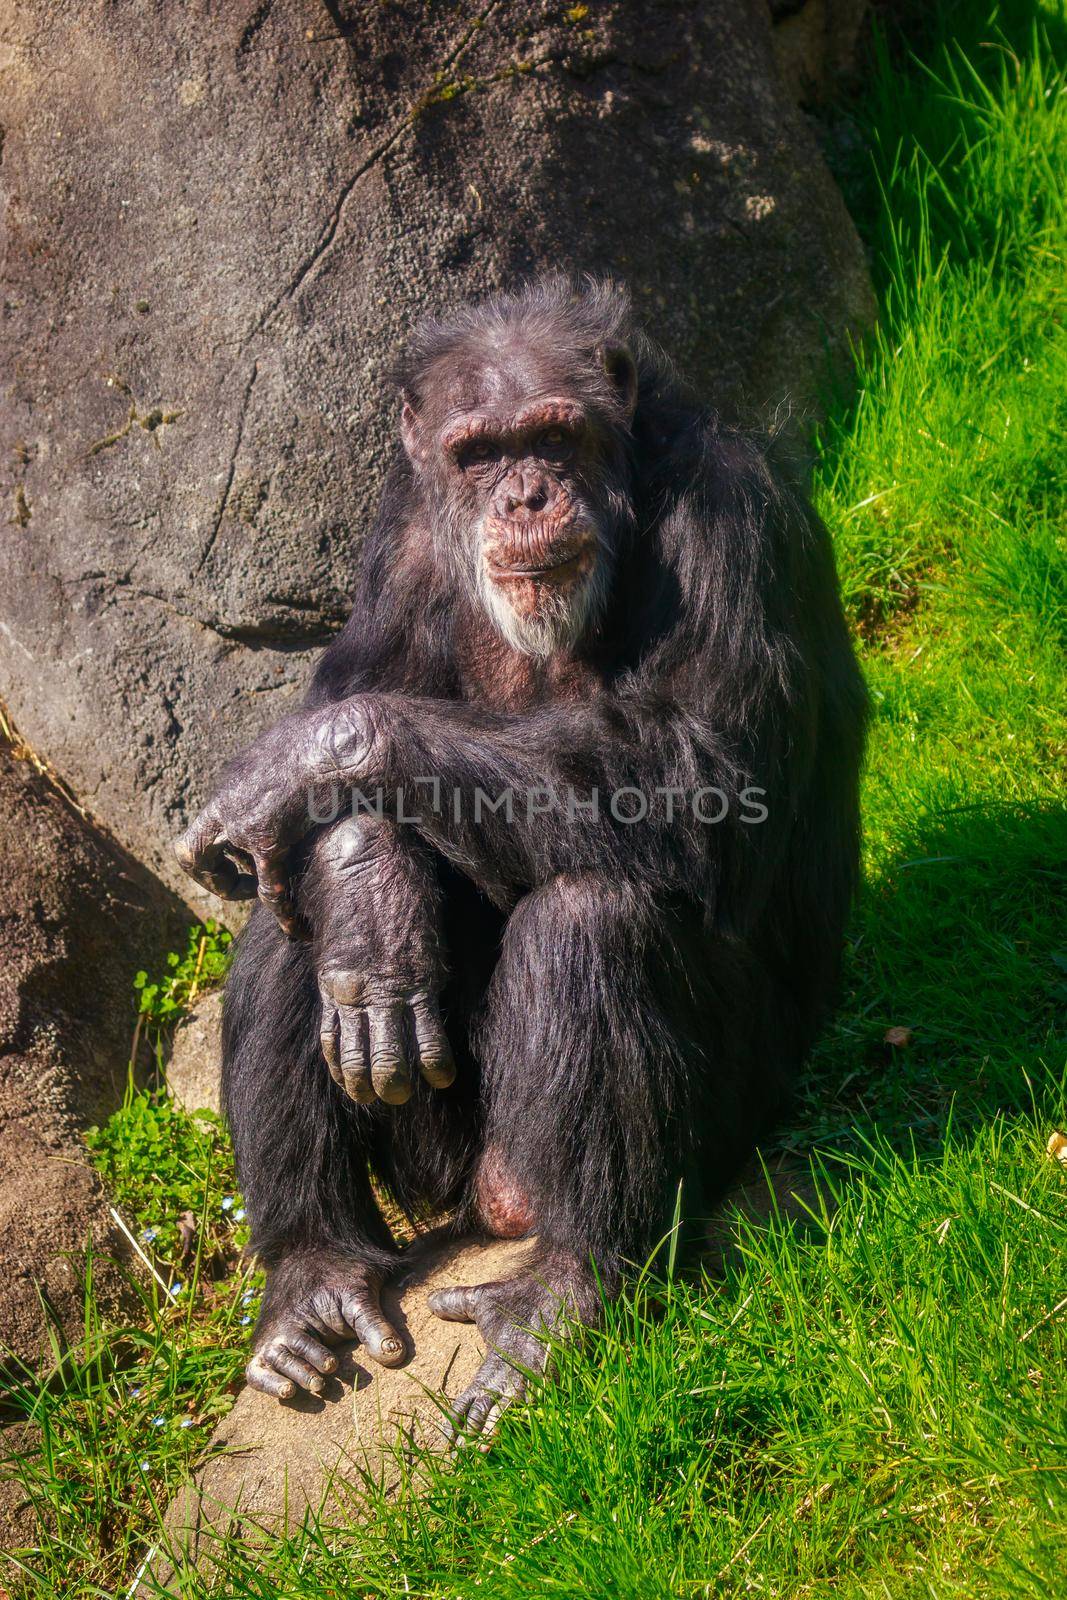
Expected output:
(77, 919)
(196, 1056)
(219, 228)
(271, 1462)
(815, 44)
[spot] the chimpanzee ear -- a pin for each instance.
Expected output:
(621, 369)
(410, 432)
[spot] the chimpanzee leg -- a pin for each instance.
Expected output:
(598, 1061)
(301, 1147)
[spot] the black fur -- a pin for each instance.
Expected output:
(627, 1004)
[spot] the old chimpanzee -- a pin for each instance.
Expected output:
(598, 669)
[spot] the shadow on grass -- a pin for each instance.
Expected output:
(959, 942)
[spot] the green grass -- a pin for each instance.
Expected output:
(202, 965)
(872, 1405)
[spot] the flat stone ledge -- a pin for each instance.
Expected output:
(271, 1464)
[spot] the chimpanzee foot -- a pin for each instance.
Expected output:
(315, 1299)
(515, 1317)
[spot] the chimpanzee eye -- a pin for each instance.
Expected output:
(552, 438)
(478, 452)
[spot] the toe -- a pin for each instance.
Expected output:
(454, 1416)
(311, 1350)
(290, 1365)
(262, 1376)
(456, 1304)
(481, 1409)
(378, 1336)
(489, 1426)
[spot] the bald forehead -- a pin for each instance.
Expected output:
(497, 375)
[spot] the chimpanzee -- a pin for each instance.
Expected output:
(569, 821)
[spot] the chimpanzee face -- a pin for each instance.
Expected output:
(520, 451)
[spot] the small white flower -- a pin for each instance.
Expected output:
(175, 1289)
(239, 1214)
(148, 1234)
(186, 1422)
(143, 1466)
(245, 1320)
(227, 1202)
(157, 1422)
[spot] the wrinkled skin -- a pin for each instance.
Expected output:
(516, 1317)
(240, 844)
(375, 914)
(315, 1300)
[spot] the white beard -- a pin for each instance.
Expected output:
(562, 617)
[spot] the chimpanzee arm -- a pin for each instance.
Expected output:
(369, 893)
(452, 763)
(616, 784)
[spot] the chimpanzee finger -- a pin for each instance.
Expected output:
(237, 867)
(201, 852)
(330, 1040)
(431, 1043)
(355, 1072)
(233, 885)
(264, 1378)
(456, 1304)
(378, 1336)
(388, 1063)
(274, 890)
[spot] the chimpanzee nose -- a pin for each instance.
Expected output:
(529, 494)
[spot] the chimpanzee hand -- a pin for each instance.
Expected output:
(516, 1317)
(371, 897)
(239, 845)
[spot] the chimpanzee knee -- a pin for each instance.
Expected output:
(585, 1068)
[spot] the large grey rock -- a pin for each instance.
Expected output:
(815, 44)
(221, 221)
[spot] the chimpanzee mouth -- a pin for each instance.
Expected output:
(542, 606)
(571, 565)
(572, 560)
